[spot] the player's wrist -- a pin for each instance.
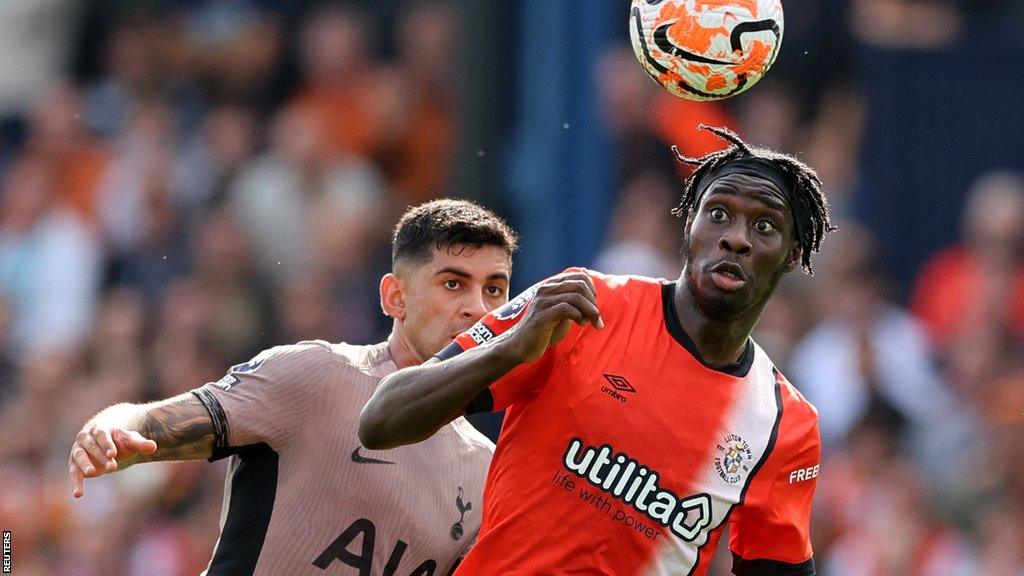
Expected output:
(508, 351)
(117, 416)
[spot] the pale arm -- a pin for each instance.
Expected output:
(178, 428)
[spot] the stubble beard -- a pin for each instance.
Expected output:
(720, 309)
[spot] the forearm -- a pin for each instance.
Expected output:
(124, 415)
(412, 404)
(180, 426)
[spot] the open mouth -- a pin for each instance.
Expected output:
(728, 276)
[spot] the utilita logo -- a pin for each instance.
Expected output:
(638, 485)
(618, 384)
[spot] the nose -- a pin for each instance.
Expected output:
(735, 239)
(474, 307)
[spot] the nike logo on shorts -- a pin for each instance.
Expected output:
(359, 459)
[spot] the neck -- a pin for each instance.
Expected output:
(402, 352)
(720, 341)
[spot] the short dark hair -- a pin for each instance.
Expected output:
(447, 223)
(806, 185)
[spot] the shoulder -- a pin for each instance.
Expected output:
(621, 287)
(793, 399)
(305, 350)
(371, 360)
(798, 414)
(798, 432)
(618, 282)
(288, 359)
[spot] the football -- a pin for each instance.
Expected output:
(706, 49)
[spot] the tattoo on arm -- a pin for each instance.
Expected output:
(181, 427)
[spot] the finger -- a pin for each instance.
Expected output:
(95, 452)
(564, 311)
(77, 482)
(585, 310)
(105, 442)
(585, 285)
(586, 279)
(559, 283)
(136, 442)
(571, 286)
(81, 459)
(141, 443)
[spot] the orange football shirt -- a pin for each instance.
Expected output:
(622, 453)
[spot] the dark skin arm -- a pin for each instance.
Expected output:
(178, 428)
(412, 404)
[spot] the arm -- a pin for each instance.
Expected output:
(410, 405)
(178, 428)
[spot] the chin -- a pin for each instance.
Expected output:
(717, 304)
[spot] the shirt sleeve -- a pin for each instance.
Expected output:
(770, 529)
(266, 399)
(524, 381)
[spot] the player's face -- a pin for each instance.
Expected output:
(448, 294)
(740, 242)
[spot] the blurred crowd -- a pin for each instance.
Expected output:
(185, 183)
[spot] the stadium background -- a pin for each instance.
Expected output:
(185, 183)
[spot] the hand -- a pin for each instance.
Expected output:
(98, 449)
(560, 301)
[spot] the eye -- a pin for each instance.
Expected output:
(717, 214)
(495, 290)
(452, 284)
(764, 226)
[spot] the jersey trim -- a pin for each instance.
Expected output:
(220, 421)
(768, 449)
(739, 369)
(450, 351)
(253, 490)
(761, 567)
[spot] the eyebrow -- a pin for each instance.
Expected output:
(463, 274)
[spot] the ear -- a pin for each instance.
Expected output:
(392, 302)
(794, 256)
(691, 215)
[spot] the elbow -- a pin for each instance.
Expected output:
(372, 434)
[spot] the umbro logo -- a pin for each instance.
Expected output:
(360, 459)
(618, 384)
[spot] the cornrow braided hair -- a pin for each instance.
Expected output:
(807, 186)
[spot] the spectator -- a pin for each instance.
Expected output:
(643, 240)
(78, 160)
(34, 39)
(418, 105)
(273, 195)
(339, 87)
(49, 264)
(866, 355)
(978, 284)
(226, 141)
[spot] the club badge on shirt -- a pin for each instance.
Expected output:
(230, 379)
(736, 459)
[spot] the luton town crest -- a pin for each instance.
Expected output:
(735, 459)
